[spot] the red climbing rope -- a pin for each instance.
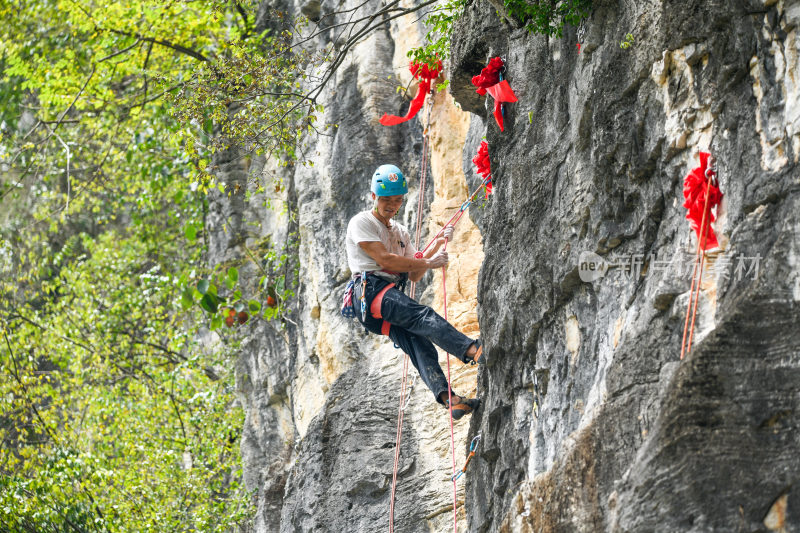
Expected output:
(398, 437)
(700, 256)
(412, 290)
(485, 184)
(457, 216)
(450, 403)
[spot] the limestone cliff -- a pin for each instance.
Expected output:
(626, 436)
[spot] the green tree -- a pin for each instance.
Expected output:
(117, 406)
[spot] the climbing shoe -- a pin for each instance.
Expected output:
(465, 406)
(479, 358)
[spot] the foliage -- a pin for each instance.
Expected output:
(547, 17)
(440, 30)
(628, 42)
(113, 414)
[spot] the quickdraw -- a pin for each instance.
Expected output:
(409, 390)
(581, 34)
(472, 447)
(347, 301)
(491, 81)
(363, 297)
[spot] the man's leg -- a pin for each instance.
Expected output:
(404, 312)
(424, 358)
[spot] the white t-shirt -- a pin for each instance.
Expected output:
(365, 227)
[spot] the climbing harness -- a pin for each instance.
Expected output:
(472, 447)
(363, 296)
(704, 233)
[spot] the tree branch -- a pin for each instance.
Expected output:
(177, 47)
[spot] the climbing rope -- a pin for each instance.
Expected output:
(403, 402)
(697, 273)
(450, 399)
(405, 392)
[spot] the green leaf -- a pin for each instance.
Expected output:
(202, 287)
(190, 231)
(210, 303)
(187, 299)
(254, 306)
(233, 274)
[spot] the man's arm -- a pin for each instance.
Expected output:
(416, 275)
(397, 263)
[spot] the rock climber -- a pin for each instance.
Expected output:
(380, 250)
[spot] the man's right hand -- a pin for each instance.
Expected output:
(438, 260)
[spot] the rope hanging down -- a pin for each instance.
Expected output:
(453, 221)
(706, 239)
(405, 393)
(486, 184)
(450, 393)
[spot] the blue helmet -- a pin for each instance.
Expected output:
(388, 181)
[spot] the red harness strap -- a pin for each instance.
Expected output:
(375, 308)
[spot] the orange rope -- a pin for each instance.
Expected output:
(700, 256)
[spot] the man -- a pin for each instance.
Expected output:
(383, 250)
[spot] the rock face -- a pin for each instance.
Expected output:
(628, 437)
(590, 421)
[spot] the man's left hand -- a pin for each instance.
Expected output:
(447, 232)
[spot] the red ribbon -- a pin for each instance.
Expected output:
(694, 191)
(489, 81)
(483, 165)
(425, 74)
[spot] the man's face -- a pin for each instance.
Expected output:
(388, 206)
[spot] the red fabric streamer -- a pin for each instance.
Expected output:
(489, 81)
(694, 191)
(425, 74)
(490, 75)
(483, 165)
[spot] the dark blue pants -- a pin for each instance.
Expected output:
(415, 329)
